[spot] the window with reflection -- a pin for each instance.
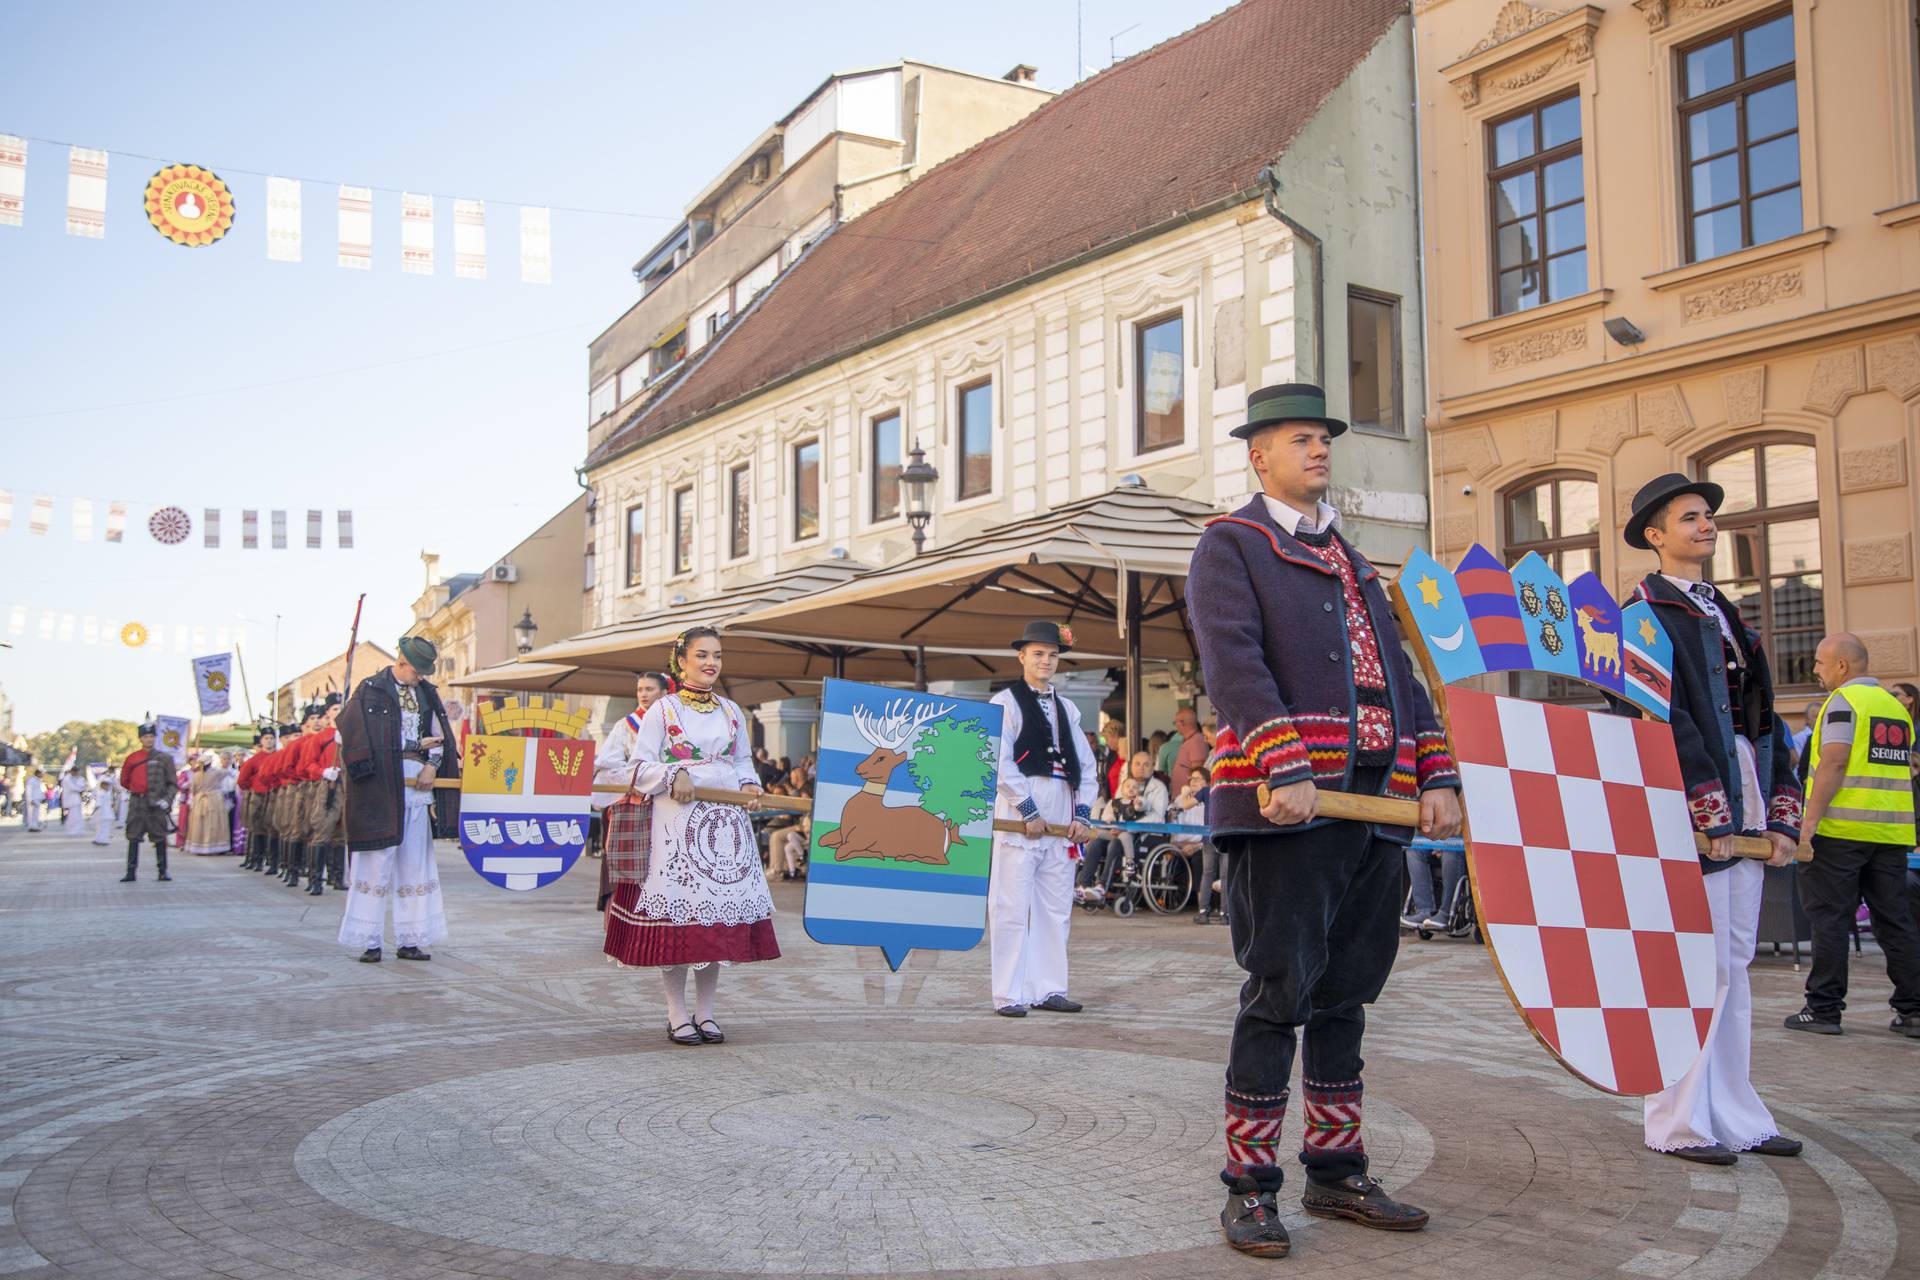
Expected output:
(806, 489)
(636, 544)
(1740, 137)
(975, 435)
(683, 529)
(1768, 557)
(1537, 193)
(739, 510)
(884, 467)
(1160, 384)
(1557, 515)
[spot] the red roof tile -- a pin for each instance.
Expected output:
(1182, 126)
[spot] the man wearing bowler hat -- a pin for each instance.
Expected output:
(1047, 777)
(1303, 662)
(1738, 771)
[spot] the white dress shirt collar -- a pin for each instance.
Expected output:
(1324, 517)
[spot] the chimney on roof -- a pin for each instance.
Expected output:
(1022, 74)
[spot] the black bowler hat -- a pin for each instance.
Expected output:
(1288, 402)
(1655, 494)
(1051, 633)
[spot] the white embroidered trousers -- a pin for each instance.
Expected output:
(405, 875)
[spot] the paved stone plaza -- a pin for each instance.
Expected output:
(198, 1082)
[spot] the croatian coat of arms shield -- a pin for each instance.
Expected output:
(525, 805)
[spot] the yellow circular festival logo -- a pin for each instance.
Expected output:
(133, 635)
(217, 681)
(189, 205)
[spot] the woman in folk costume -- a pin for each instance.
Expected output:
(36, 796)
(705, 901)
(207, 827)
(625, 819)
(105, 796)
(73, 793)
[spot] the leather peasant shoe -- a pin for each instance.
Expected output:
(1058, 1003)
(684, 1034)
(411, 953)
(1251, 1222)
(1363, 1200)
(1712, 1153)
(1778, 1145)
(1012, 1011)
(370, 956)
(715, 1036)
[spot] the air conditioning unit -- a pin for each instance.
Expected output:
(759, 169)
(505, 573)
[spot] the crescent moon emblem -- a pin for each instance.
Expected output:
(1449, 643)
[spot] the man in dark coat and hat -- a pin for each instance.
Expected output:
(150, 781)
(395, 739)
(1304, 665)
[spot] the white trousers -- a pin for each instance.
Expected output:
(33, 817)
(1715, 1100)
(405, 875)
(103, 824)
(1029, 910)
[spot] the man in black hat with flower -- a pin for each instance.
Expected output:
(1738, 771)
(1047, 778)
(1303, 662)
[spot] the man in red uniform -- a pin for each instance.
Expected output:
(320, 800)
(247, 782)
(273, 780)
(150, 781)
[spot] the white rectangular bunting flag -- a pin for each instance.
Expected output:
(345, 529)
(83, 519)
(179, 637)
(6, 510)
(470, 239)
(89, 630)
(250, 530)
(536, 245)
(416, 234)
(212, 678)
(283, 219)
(13, 180)
(116, 521)
(86, 193)
(46, 624)
(42, 518)
(17, 620)
(356, 228)
(279, 531)
(210, 526)
(313, 529)
(66, 628)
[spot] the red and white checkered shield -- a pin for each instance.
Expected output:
(1588, 884)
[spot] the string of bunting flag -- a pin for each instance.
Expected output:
(172, 525)
(65, 626)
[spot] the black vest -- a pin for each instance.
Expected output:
(1033, 754)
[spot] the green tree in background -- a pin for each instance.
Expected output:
(93, 742)
(953, 767)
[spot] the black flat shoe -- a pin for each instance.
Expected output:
(370, 956)
(1251, 1221)
(715, 1036)
(1778, 1145)
(692, 1036)
(1012, 1011)
(1363, 1200)
(127, 878)
(1712, 1153)
(411, 953)
(1904, 1025)
(163, 876)
(1058, 1003)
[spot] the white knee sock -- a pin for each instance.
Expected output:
(675, 980)
(704, 983)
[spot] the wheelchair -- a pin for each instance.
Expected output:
(1458, 912)
(1162, 880)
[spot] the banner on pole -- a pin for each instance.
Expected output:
(213, 681)
(171, 732)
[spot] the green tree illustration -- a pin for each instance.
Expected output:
(953, 767)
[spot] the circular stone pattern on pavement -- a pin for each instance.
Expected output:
(864, 1157)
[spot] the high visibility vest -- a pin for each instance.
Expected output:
(1875, 800)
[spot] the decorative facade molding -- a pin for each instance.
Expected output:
(1540, 437)
(1623, 506)
(1471, 450)
(1664, 412)
(1875, 466)
(1156, 289)
(1870, 560)
(1531, 348)
(1516, 17)
(1895, 365)
(1661, 13)
(1746, 395)
(1744, 294)
(1552, 38)
(1889, 653)
(811, 420)
(887, 388)
(1837, 376)
(975, 355)
(1613, 426)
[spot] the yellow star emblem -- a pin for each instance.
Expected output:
(1647, 633)
(1429, 591)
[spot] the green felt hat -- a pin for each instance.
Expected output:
(419, 653)
(1288, 402)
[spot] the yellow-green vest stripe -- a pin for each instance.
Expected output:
(1875, 799)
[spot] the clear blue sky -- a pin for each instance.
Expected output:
(133, 370)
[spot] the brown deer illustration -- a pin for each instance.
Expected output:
(869, 826)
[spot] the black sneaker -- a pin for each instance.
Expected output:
(370, 956)
(1251, 1222)
(1012, 1011)
(1806, 1020)
(1058, 1003)
(1907, 1025)
(411, 953)
(1361, 1199)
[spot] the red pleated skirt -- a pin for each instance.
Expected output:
(643, 942)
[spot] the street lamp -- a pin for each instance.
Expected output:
(523, 631)
(916, 482)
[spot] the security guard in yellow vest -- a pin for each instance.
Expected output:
(1860, 815)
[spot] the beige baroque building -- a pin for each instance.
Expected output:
(1085, 297)
(1682, 235)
